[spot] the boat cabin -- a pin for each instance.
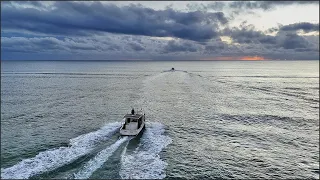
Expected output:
(133, 119)
(133, 124)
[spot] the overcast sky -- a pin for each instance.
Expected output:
(160, 30)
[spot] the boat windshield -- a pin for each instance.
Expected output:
(131, 120)
(133, 116)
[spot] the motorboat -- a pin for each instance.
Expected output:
(133, 124)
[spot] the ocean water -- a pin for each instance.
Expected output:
(207, 119)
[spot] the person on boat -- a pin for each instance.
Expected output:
(132, 111)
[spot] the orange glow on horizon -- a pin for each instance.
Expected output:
(244, 58)
(252, 58)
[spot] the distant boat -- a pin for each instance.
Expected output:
(133, 125)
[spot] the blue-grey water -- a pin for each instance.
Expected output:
(214, 119)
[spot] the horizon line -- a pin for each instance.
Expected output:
(135, 60)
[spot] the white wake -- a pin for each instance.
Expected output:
(54, 158)
(95, 163)
(145, 162)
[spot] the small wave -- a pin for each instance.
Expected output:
(54, 158)
(95, 163)
(293, 77)
(145, 162)
(68, 73)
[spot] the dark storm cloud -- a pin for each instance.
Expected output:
(174, 46)
(136, 47)
(293, 41)
(305, 26)
(245, 7)
(114, 48)
(71, 30)
(21, 44)
(74, 18)
(249, 35)
(282, 40)
(218, 47)
(45, 44)
(108, 43)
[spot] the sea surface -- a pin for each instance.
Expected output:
(207, 119)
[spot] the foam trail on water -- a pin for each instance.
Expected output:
(95, 163)
(54, 158)
(145, 162)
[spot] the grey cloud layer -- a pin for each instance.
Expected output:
(70, 18)
(244, 5)
(306, 27)
(132, 31)
(252, 43)
(174, 46)
(266, 5)
(285, 38)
